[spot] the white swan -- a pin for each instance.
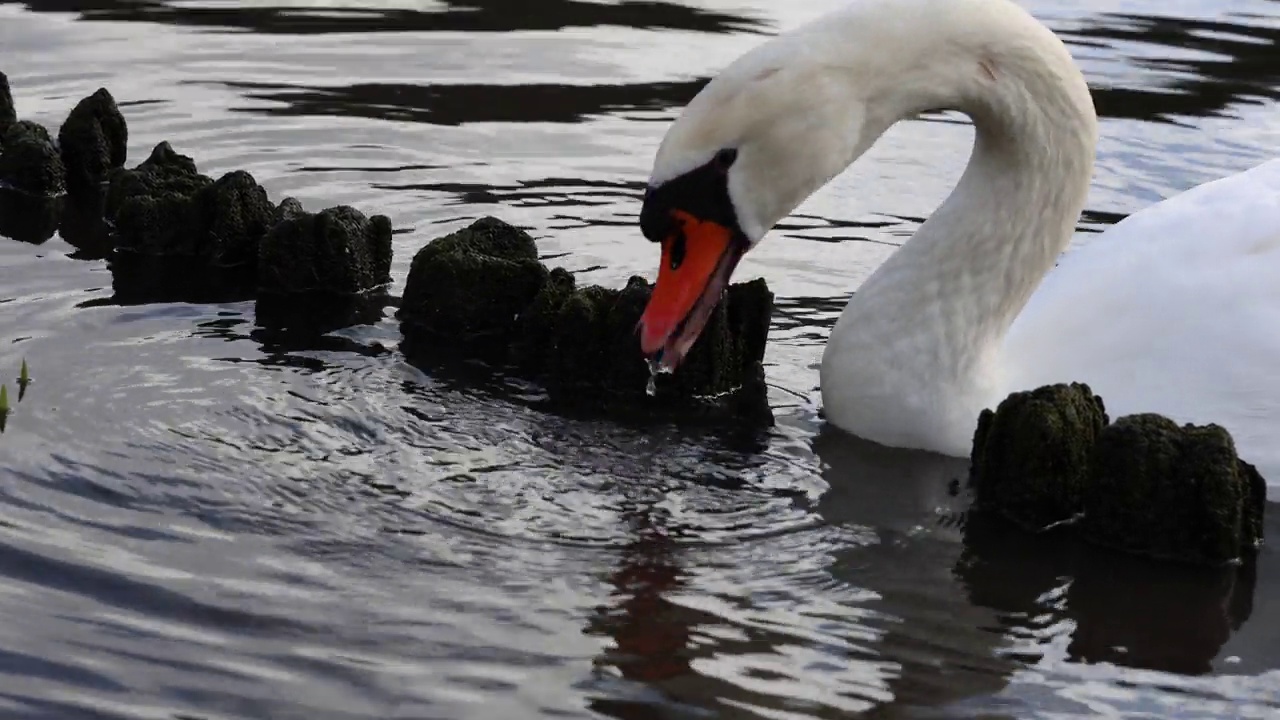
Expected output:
(1174, 310)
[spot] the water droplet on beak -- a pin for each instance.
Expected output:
(656, 366)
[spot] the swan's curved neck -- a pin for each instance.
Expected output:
(930, 320)
(971, 267)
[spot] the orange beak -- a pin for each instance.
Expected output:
(697, 262)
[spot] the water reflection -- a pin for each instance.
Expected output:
(457, 104)
(680, 647)
(28, 219)
(943, 643)
(83, 227)
(1218, 64)
(939, 606)
(538, 192)
(432, 15)
(1211, 65)
(652, 636)
(872, 620)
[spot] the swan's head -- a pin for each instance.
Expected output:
(785, 118)
(748, 149)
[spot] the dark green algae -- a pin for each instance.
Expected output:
(482, 291)
(1030, 457)
(30, 162)
(1172, 492)
(1142, 484)
(165, 207)
(169, 231)
(177, 229)
(91, 142)
(8, 113)
(335, 251)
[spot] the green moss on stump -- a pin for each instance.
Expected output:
(536, 326)
(1143, 484)
(337, 251)
(165, 208)
(150, 204)
(1172, 492)
(483, 290)
(94, 140)
(155, 226)
(289, 208)
(1031, 456)
(172, 222)
(29, 160)
(164, 172)
(8, 115)
(229, 218)
(469, 286)
(591, 351)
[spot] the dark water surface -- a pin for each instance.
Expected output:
(201, 518)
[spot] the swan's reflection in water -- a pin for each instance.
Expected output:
(926, 610)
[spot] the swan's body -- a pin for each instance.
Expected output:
(1175, 310)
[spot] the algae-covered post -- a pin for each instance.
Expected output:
(229, 219)
(29, 160)
(467, 288)
(8, 113)
(94, 140)
(1174, 492)
(482, 291)
(337, 251)
(179, 233)
(149, 204)
(1143, 484)
(165, 208)
(318, 272)
(164, 172)
(32, 176)
(1031, 455)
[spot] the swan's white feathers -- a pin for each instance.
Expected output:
(1175, 309)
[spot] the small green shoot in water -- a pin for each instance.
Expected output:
(24, 379)
(4, 406)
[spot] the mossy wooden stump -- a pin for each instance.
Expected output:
(482, 292)
(1143, 484)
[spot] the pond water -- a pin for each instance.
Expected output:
(203, 519)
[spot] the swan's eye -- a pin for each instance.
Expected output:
(725, 158)
(678, 247)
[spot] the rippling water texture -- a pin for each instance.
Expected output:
(205, 519)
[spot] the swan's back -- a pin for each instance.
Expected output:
(1175, 310)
